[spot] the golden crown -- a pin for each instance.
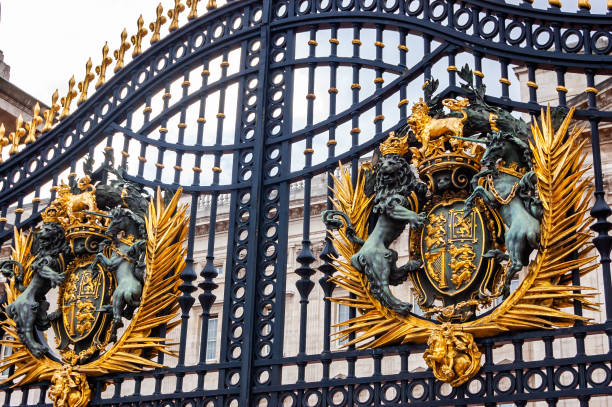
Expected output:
(395, 145)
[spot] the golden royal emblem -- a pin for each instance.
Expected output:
(472, 228)
(116, 256)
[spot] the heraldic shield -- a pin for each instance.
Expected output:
(483, 198)
(115, 256)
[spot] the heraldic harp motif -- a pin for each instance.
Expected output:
(116, 255)
(484, 197)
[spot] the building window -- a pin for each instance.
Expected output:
(343, 315)
(211, 339)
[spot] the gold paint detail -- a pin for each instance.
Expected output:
(19, 210)
(334, 41)
(425, 84)
(609, 4)
(205, 72)
(224, 64)
(142, 159)
(125, 154)
(220, 115)
(69, 388)
(186, 83)
(356, 86)
(379, 44)
(493, 121)
(505, 81)
(119, 53)
(156, 25)
(561, 88)
(308, 151)
(451, 68)
(355, 130)
(67, 100)
(313, 42)
(16, 136)
(32, 127)
(555, 3)
(478, 73)
(201, 120)
(182, 125)
(50, 114)
(84, 85)
(174, 15)
(532, 84)
(193, 11)
(159, 165)
(379, 117)
(3, 219)
(403, 102)
(136, 39)
(402, 47)
(333, 90)
(163, 130)
(212, 4)
(584, 4)
(216, 169)
(379, 80)
(104, 64)
(166, 95)
(591, 90)
(197, 169)
(178, 168)
(72, 175)
(452, 355)
(147, 109)
(331, 143)
(311, 96)
(356, 41)
(36, 200)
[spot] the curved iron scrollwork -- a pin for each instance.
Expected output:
(249, 106)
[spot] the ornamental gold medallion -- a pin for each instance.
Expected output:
(482, 195)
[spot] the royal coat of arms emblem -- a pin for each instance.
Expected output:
(483, 197)
(116, 256)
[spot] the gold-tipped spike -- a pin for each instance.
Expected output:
(155, 26)
(16, 136)
(84, 85)
(212, 4)
(584, 4)
(193, 12)
(174, 15)
(137, 38)
(67, 100)
(49, 115)
(33, 125)
(120, 52)
(101, 69)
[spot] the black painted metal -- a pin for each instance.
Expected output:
(277, 44)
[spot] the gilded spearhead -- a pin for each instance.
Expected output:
(49, 115)
(33, 125)
(174, 15)
(67, 100)
(101, 69)
(16, 136)
(137, 38)
(120, 52)
(84, 85)
(155, 26)
(193, 11)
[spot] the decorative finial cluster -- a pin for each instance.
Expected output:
(395, 145)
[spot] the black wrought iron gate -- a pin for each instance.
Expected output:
(244, 107)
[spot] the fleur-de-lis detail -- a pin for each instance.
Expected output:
(212, 4)
(137, 39)
(33, 125)
(16, 136)
(49, 115)
(67, 100)
(84, 86)
(3, 140)
(193, 11)
(120, 53)
(155, 26)
(101, 69)
(174, 15)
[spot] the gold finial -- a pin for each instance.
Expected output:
(120, 53)
(174, 15)
(49, 115)
(556, 3)
(212, 4)
(16, 136)
(67, 100)
(3, 140)
(84, 86)
(137, 39)
(155, 26)
(193, 12)
(33, 125)
(584, 4)
(101, 69)
(394, 145)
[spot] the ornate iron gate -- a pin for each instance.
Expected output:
(256, 96)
